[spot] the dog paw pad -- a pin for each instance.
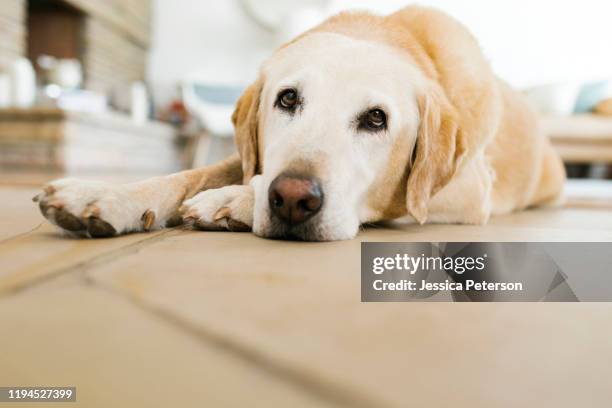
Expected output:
(98, 228)
(68, 221)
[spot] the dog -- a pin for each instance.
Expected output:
(361, 119)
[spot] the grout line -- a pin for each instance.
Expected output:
(310, 383)
(105, 257)
(21, 234)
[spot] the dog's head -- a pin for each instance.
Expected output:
(342, 131)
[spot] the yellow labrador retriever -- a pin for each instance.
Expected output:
(361, 119)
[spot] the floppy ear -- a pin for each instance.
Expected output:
(246, 122)
(440, 146)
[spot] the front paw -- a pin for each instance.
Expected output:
(228, 208)
(93, 209)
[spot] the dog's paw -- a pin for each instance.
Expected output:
(94, 209)
(228, 208)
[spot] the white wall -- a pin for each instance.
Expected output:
(206, 39)
(532, 41)
(527, 41)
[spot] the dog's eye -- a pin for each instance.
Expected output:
(287, 100)
(373, 120)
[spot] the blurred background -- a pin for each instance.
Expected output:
(144, 87)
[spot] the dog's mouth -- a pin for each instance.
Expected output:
(321, 228)
(310, 230)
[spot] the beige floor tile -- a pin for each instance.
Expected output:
(566, 225)
(18, 214)
(298, 306)
(117, 355)
(46, 252)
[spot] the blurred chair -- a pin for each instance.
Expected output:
(212, 105)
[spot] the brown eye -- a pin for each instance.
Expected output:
(287, 99)
(373, 120)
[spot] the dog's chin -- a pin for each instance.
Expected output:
(313, 230)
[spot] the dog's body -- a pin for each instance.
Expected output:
(362, 119)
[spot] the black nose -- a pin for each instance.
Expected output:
(294, 198)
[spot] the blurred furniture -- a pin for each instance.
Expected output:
(591, 94)
(114, 41)
(554, 99)
(567, 98)
(583, 138)
(589, 194)
(604, 107)
(74, 143)
(212, 105)
(12, 31)
(110, 38)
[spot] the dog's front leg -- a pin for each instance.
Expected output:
(98, 209)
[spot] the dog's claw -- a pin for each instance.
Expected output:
(148, 218)
(91, 211)
(44, 208)
(223, 212)
(49, 190)
(190, 220)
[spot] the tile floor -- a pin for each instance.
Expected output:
(199, 319)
